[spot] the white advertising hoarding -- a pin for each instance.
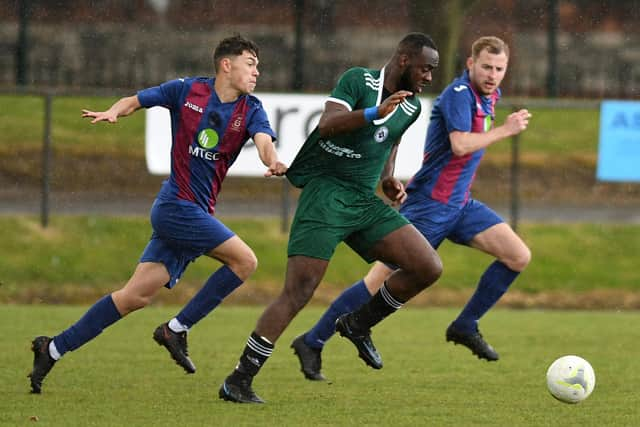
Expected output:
(292, 117)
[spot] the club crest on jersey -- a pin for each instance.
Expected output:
(381, 134)
(208, 138)
(236, 123)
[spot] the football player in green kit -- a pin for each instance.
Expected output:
(338, 168)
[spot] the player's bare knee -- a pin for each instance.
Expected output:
(424, 273)
(128, 302)
(141, 302)
(520, 260)
(245, 265)
(299, 295)
(523, 260)
(431, 269)
(298, 298)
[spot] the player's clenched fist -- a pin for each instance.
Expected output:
(394, 190)
(276, 169)
(518, 121)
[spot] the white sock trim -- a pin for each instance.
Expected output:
(176, 326)
(259, 348)
(53, 351)
(388, 298)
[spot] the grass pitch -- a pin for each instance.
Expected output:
(552, 131)
(124, 378)
(78, 255)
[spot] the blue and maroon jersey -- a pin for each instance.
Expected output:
(444, 176)
(207, 136)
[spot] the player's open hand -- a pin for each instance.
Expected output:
(101, 116)
(518, 121)
(390, 103)
(276, 169)
(394, 190)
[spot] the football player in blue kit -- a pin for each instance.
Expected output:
(211, 120)
(439, 205)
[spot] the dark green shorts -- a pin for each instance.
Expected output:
(329, 213)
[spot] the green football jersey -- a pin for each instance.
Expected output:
(358, 157)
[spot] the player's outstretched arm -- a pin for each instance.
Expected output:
(269, 155)
(123, 107)
(336, 119)
(463, 143)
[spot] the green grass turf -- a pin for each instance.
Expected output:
(551, 133)
(100, 251)
(22, 122)
(124, 378)
(556, 133)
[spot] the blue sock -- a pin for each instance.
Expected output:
(218, 286)
(493, 284)
(349, 300)
(101, 315)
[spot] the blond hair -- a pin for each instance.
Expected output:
(492, 44)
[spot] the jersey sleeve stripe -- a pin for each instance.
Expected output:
(341, 102)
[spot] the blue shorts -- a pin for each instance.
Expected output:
(437, 221)
(182, 231)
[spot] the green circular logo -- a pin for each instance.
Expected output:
(488, 121)
(208, 138)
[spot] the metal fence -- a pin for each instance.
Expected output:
(286, 201)
(564, 48)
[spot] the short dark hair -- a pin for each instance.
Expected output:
(413, 43)
(233, 46)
